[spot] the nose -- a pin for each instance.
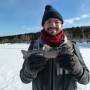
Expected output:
(52, 24)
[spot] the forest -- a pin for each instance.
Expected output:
(78, 34)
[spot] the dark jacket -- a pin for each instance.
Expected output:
(54, 77)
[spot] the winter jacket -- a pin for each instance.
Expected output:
(54, 77)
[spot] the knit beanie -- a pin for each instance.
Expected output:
(50, 12)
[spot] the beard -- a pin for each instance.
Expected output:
(53, 31)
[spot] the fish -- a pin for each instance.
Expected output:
(49, 52)
(46, 53)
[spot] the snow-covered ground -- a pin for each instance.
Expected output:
(11, 62)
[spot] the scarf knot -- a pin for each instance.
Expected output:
(52, 40)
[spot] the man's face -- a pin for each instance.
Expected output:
(53, 26)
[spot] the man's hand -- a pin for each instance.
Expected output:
(34, 61)
(65, 50)
(37, 61)
(68, 60)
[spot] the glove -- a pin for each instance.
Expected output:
(64, 55)
(34, 62)
(37, 62)
(68, 60)
(66, 50)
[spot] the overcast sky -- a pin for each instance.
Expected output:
(23, 16)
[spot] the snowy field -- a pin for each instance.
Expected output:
(11, 62)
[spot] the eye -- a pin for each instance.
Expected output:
(49, 22)
(57, 22)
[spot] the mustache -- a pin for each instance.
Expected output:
(52, 28)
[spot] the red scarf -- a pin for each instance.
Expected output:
(52, 40)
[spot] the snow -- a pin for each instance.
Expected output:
(11, 61)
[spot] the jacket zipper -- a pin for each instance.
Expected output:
(63, 79)
(51, 74)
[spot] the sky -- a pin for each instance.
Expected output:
(25, 16)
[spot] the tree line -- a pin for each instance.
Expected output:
(75, 33)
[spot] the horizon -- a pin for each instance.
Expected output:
(39, 31)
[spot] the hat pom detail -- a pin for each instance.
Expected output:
(48, 7)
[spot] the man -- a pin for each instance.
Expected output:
(61, 65)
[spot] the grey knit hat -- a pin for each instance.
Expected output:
(50, 12)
